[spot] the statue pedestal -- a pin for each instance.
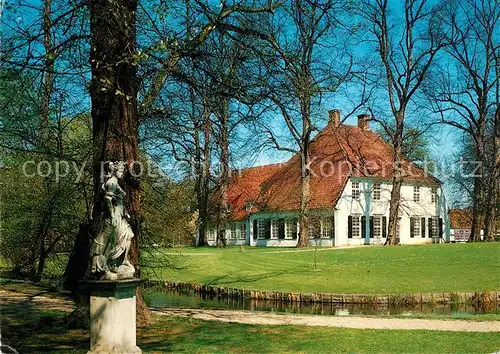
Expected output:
(112, 316)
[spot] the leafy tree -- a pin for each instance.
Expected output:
(44, 188)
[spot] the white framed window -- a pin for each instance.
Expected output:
(212, 234)
(243, 231)
(232, 232)
(356, 226)
(434, 195)
(327, 227)
(377, 226)
(415, 222)
(376, 191)
(416, 194)
(261, 229)
(355, 190)
(290, 229)
(275, 228)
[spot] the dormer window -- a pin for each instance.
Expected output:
(248, 205)
(416, 194)
(434, 198)
(376, 191)
(355, 190)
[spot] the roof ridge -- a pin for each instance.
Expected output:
(260, 166)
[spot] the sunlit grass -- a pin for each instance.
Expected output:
(29, 330)
(371, 270)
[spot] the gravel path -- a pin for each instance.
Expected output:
(332, 321)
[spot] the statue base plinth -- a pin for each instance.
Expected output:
(112, 315)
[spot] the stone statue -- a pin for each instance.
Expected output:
(110, 247)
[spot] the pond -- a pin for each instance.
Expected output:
(156, 297)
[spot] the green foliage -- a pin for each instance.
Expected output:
(167, 210)
(45, 182)
(42, 214)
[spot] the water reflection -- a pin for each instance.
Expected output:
(159, 297)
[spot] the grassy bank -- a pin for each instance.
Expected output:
(29, 331)
(368, 270)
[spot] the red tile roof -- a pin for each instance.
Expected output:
(245, 186)
(460, 218)
(337, 153)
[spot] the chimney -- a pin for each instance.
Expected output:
(334, 117)
(364, 121)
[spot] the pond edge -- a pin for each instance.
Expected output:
(478, 298)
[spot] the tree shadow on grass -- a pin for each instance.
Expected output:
(227, 279)
(28, 329)
(169, 334)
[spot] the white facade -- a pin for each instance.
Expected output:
(427, 206)
(362, 199)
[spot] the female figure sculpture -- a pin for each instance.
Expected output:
(110, 248)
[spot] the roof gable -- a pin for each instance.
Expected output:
(336, 154)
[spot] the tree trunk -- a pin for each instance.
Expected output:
(42, 259)
(114, 111)
(44, 137)
(48, 81)
(397, 181)
(494, 183)
(203, 173)
(305, 177)
(78, 260)
(225, 172)
(477, 197)
(475, 234)
(304, 203)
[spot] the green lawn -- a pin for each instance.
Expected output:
(191, 336)
(31, 331)
(369, 270)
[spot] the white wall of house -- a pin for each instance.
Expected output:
(274, 241)
(366, 205)
(427, 201)
(291, 226)
(234, 234)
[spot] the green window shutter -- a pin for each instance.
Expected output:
(294, 232)
(422, 227)
(440, 228)
(412, 226)
(371, 227)
(384, 226)
(363, 226)
(255, 230)
(268, 230)
(333, 226)
(429, 226)
(349, 226)
(281, 229)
